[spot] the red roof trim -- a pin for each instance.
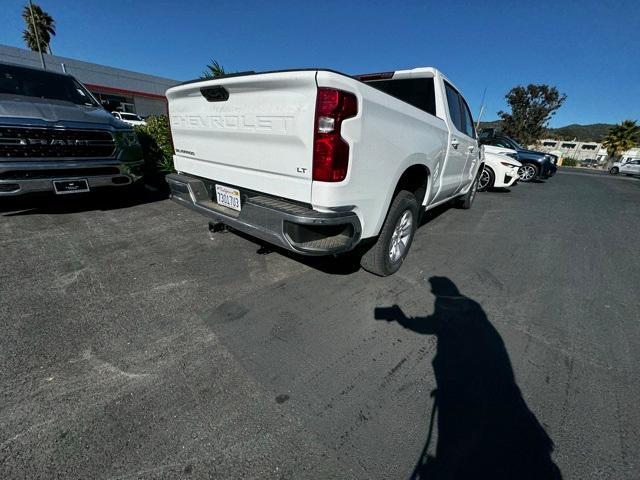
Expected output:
(101, 89)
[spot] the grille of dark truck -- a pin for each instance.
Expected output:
(18, 142)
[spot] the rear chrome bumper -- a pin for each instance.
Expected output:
(286, 224)
(21, 177)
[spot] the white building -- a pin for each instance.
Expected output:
(581, 151)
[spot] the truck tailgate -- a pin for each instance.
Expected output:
(252, 131)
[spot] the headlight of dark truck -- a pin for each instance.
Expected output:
(126, 140)
(129, 151)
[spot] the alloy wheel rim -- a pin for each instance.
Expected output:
(526, 172)
(401, 236)
(485, 178)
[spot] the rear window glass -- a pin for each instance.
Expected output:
(419, 92)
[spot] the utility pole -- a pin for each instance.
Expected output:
(35, 31)
(481, 109)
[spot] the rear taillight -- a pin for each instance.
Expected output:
(330, 151)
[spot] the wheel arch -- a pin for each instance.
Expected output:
(414, 179)
(492, 174)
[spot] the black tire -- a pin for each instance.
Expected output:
(528, 172)
(614, 171)
(377, 259)
(134, 189)
(466, 200)
(490, 180)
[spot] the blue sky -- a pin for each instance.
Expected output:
(589, 49)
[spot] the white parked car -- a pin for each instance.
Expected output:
(509, 152)
(130, 118)
(628, 166)
(506, 152)
(319, 162)
(500, 171)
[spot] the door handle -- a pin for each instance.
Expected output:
(455, 142)
(471, 148)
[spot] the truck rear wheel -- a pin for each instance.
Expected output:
(385, 257)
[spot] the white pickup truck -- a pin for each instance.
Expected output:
(319, 162)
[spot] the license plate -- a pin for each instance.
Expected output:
(62, 187)
(228, 197)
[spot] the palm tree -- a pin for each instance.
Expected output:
(40, 27)
(214, 69)
(621, 138)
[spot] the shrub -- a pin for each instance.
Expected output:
(155, 139)
(569, 162)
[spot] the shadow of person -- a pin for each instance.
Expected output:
(485, 429)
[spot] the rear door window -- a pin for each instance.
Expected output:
(467, 119)
(454, 107)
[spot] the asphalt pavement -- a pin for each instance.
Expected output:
(134, 345)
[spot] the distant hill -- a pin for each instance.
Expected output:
(582, 133)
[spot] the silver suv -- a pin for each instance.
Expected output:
(628, 166)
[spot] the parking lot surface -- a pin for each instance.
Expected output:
(135, 346)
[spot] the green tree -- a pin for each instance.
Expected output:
(621, 138)
(531, 109)
(40, 27)
(214, 69)
(157, 148)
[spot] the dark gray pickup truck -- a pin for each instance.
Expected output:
(55, 136)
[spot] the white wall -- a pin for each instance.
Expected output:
(150, 106)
